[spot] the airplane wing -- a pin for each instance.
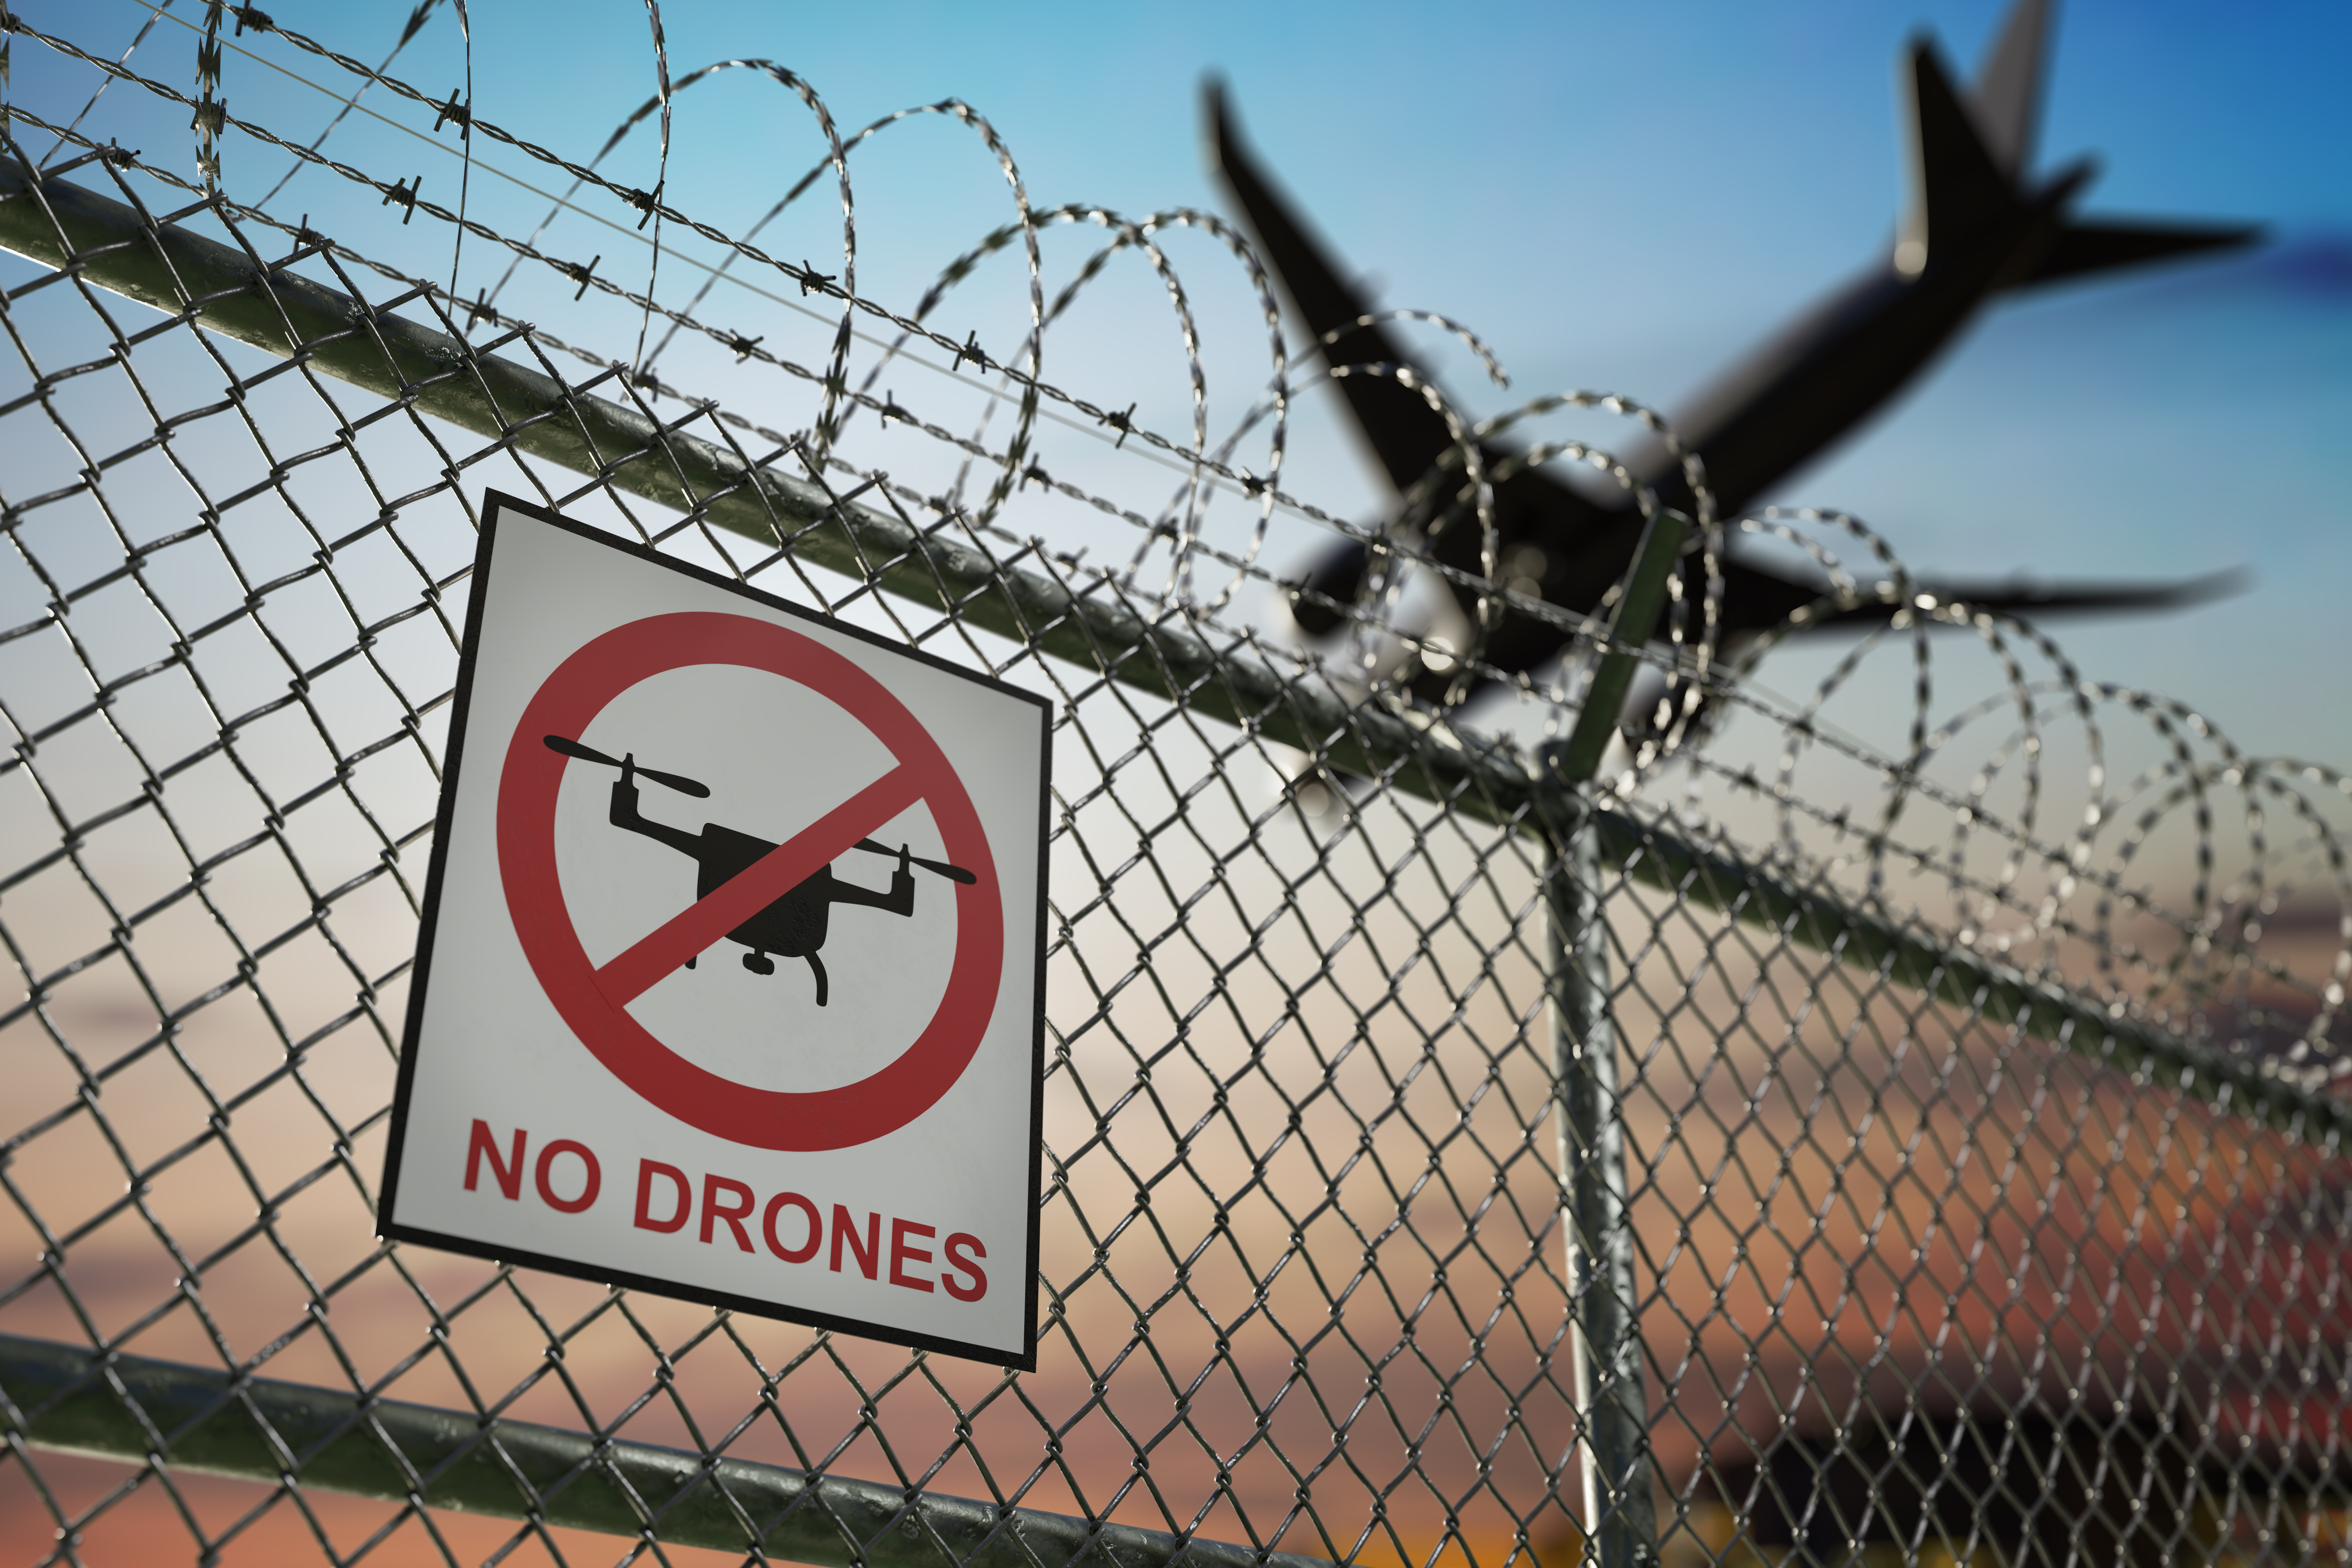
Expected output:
(1757, 598)
(1405, 434)
(1587, 545)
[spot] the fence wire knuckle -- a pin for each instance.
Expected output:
(1865, 1128)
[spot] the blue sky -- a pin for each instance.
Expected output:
(1622, 198)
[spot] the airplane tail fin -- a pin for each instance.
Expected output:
(1958, 184)
(1969, 158)
(1970, 151)
(2009, 86)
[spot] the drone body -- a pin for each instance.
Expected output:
(792, 926)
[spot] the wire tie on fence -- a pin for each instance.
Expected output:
(846, 497)
(581, 275)
(812, 278)
(457, 111)
(379, 311)
(210, 115)
(404, 193)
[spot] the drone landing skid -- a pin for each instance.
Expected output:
(759, 962)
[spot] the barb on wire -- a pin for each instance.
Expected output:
(210, 121)
(417, 17)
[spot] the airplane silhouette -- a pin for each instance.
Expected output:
(794, 926)
(1979, 225)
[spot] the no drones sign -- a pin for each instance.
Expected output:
(729, 986)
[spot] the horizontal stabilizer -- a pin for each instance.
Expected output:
(2086, 248)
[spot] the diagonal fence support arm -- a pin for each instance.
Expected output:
(1620, 1518)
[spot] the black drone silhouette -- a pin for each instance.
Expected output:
(794, 926)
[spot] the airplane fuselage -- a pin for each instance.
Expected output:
(1793, 398)
(1979, 226)
(1849, 355)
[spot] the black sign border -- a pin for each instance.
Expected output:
(493, 503)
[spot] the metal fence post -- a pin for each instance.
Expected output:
(1620, 1498)
(1619, 1508)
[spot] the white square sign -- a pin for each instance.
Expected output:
(731, 982)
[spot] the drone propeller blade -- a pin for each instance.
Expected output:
(678, 782)
(562, 747)
(936, 868)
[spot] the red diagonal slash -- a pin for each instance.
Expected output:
(842, 1117)
(757, 886)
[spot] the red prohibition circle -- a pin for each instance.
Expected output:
(579, 688)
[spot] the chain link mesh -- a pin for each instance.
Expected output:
(1920, 1275)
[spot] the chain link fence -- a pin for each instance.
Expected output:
(1885, 1126)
